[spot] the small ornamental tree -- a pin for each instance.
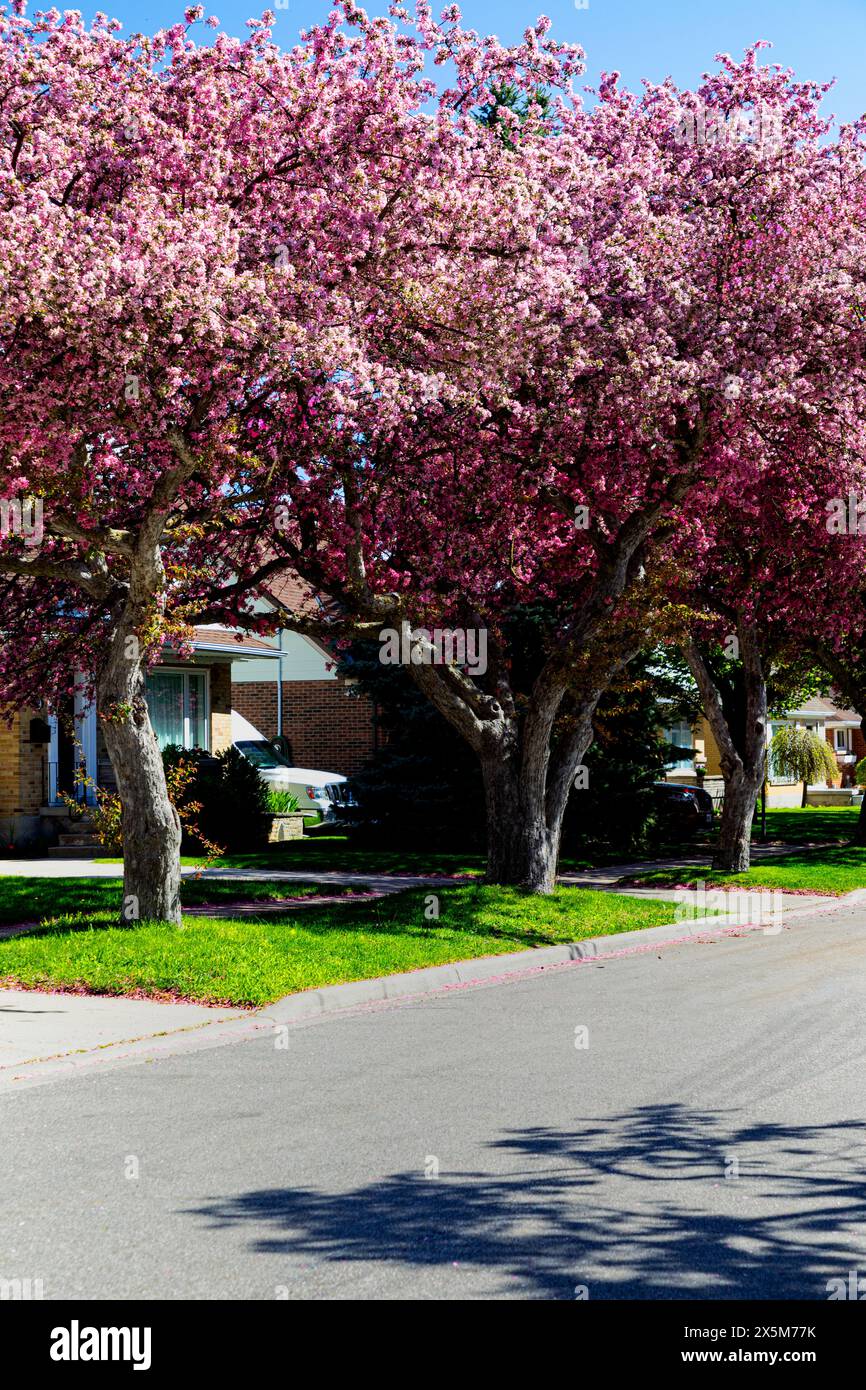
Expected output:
(834, 634)
(754, 579)
(803, 755)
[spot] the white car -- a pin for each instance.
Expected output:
(309, 785)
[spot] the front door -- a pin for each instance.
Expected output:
(72, 757)
(68, 752)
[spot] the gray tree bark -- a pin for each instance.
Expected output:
(522, 850)
(151, 827)
(528, 759)
(743, 768)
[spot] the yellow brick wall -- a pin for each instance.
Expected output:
(22, 767)
(220, 706)
(9, 767)
(706, 743)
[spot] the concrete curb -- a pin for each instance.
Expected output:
(336, 1000)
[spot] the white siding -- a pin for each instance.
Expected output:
(302, 661)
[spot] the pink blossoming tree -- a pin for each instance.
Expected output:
(754, 600)
(264, 309)
(682, 288)
(194, 238)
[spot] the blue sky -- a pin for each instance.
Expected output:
(819, 39)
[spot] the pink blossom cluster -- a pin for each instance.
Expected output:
(427, 340)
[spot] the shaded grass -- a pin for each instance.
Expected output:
(333, 852)
(326, 852)
(35, 899)
(252, 961)
(196, 892)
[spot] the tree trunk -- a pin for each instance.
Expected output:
(764, 808)
(522, 850)
(733, 851)
(528, 756)
(151, 827)
(859, 836)
(743, 765)
(527, 785)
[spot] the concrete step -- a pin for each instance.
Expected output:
(79, 837)
(74, 851)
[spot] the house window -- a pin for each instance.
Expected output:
(842, 740)
(680, 734)
(178, 705)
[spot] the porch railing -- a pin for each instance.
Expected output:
(81, 792)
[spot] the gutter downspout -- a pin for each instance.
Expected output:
(280, 685)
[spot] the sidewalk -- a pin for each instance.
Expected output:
(90, 868)
(37, 1026)
(608, 875)
(605, 877)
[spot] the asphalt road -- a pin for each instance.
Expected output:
(708, 1141)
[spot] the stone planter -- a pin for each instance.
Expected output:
(829, 796)
(288, 825)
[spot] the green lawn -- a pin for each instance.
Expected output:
(36, 899)
(800, 825)
(252, 961)
(333, 852)
(320, 853)
(812, 824)
(829, 869)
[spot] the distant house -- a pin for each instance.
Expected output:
(329, 723)
(822, 714)
(41, 751)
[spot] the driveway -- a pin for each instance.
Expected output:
(680, 1123)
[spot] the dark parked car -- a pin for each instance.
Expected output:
(683, 809)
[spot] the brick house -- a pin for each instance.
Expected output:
(328, 721)
(190, 702)
(822, 714)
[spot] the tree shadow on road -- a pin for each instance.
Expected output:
(662, 1202)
